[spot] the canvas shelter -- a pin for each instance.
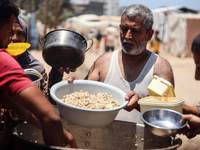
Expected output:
(84, 23)
(177, 28)
(182, 29)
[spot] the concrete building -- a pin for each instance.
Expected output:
(99, 7)
(111, 7)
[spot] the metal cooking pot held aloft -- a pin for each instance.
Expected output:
(64, 48)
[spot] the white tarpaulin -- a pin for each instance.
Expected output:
(160, 24)
(160, 20)
(177, 27)
(182, 29)
(84, 23)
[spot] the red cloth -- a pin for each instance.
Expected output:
(12, 77)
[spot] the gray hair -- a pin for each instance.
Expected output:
(139, 10)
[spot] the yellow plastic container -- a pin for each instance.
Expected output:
(15, 49)
(151, 102)
(160, 86)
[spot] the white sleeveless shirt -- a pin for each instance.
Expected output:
(139, 85)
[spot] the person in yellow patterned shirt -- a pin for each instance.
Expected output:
(155, 43)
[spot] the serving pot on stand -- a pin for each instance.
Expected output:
(117, 135)
(64, 48)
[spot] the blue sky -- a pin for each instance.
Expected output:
(153, 4)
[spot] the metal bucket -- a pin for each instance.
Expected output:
(34, 75)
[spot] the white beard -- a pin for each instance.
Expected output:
(137, 49)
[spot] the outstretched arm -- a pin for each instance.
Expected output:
(42, 111)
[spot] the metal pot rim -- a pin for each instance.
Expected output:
(63, 30)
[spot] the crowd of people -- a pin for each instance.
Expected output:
(109, 37)
(130, 68)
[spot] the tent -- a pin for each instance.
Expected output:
(169, 21)
(160, 20)
(84, 23)
(182, 29)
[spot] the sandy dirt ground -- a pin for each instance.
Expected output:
(186, 86)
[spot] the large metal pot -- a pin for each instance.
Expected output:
(117, 135)
(64, 48)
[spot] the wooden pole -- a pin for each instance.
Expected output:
(30, 6)
(55, 14)
(46, 16)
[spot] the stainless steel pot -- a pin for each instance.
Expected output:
(34, 75)
(64, 48)
(117, 135)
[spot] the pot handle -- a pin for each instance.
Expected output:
(41, 40)
(90, 45)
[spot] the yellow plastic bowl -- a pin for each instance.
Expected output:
(15, 49)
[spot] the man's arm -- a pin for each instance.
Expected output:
(100, 67)
(35, 102)
(163, 69)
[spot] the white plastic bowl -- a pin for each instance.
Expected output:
(87, 117)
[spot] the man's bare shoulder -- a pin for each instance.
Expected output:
(104, 58)
(100, 67)
(161, 61)
(163, 69)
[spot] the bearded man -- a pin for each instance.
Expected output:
(132, 67)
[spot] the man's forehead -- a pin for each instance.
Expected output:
(132, 16)
(135, 20)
